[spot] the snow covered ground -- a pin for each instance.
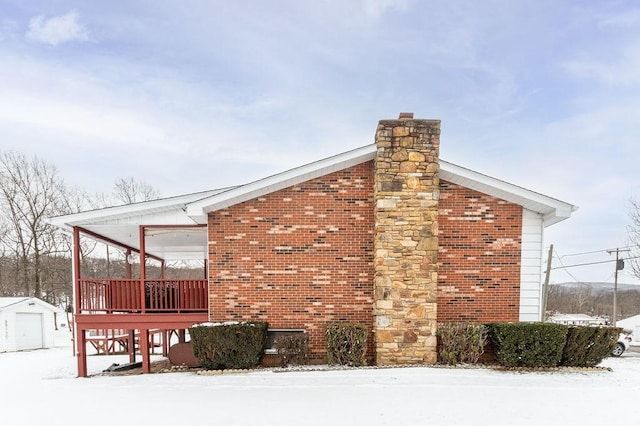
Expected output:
(40, 388)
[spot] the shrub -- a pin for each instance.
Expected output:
(588, 346)
(293, 349)
(528, 344)
(346, 343)
(461, 342)
(229, 345)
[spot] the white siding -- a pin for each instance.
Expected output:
(531, 266)
(4, 333)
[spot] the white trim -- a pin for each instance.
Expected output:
(553, 210)
(194, 208)
(128, 210)
(198, 210)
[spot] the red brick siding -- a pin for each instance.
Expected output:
(298, 257)
(479, 256)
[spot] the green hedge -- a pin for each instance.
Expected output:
(346, 343)
(588, 346)
(229, 345)
(528, 344)
(461, 342)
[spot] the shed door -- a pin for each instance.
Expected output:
(28, 331)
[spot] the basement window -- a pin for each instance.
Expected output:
(274, 333)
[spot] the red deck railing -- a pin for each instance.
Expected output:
(160, 295)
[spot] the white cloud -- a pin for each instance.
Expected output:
(621, 69)
(85, 120)
(376, 8)
(622, 20)
(56, 30)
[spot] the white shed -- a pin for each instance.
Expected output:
(631, 324)
(26, 323)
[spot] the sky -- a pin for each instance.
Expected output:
(194, 95)
(40, 388)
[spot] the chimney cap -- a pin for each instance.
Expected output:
(406, 116)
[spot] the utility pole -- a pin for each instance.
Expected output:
(619, 267)
(546, 285)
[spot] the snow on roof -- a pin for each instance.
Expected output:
(8, 301)
(5, 302)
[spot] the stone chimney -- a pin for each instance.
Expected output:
(406, 240)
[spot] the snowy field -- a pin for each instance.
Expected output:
(40, 388)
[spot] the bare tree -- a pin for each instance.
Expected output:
(128, 191)
(30, 191)
(633, 236)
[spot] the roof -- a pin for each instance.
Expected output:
(121, 223)
(6, 302)
(574, 317)
(630, 322)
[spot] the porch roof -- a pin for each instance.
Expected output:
(121, 223)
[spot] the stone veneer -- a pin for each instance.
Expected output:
(406, 181)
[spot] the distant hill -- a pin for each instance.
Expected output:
(598, 286)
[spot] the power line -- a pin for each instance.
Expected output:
(583, 253)
(567, 272)
(583, 264)
(594, 251)
(592, 263)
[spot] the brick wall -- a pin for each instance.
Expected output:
(479, 256)
(297, 258)
(303, 256)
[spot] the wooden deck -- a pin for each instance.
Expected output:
(141, 308)
(135, 296)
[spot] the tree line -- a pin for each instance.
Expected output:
(34, 255)
(584, 299)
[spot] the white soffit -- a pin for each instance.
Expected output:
(146, 212)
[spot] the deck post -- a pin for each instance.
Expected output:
(81, 342)
(79, 339)
(144, 350)
(131, 345)
(76, 269)
(206, 268)
(127, 264)
(166, 336)
(143, 267)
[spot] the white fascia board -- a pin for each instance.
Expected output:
(6, 302)
(127, 210)
(198, 205)
(552, 209)
(198, 210)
